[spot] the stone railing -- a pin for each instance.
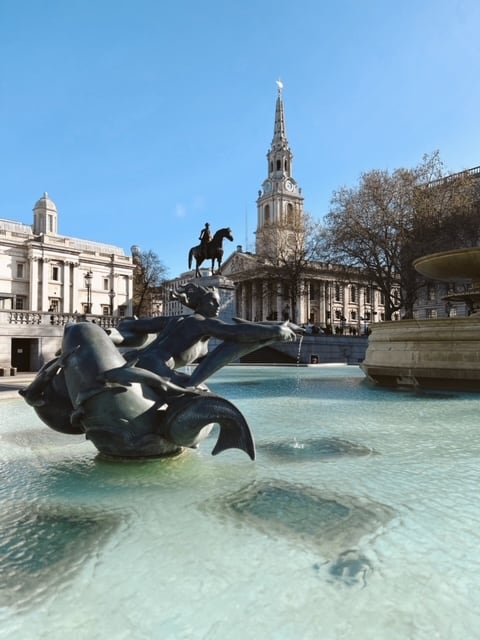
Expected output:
(53, 318)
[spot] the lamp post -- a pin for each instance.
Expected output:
(111, 295)
(88, 284)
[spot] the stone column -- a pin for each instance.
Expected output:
(75, 289)
(66, 308)
(280, 301)
(44, 304)
(33, 284)
(244, 301)
(254, 299)
(322, 310)
(130, 295)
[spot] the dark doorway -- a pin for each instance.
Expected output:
(23, 350)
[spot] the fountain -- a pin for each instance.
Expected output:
(359, 519)
(439, 353)
(137, 404)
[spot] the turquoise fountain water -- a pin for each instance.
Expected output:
(359, 519)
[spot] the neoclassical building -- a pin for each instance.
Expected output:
(329, 297)
(47, 279)
(41, 270)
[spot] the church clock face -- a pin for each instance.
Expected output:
(289, 185)
(268, 187)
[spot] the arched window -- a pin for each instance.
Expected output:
(266, 214)
(279, 165)
(353, 293)
(290, 214)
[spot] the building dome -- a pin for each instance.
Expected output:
(45, 203)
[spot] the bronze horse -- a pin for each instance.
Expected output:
(214, 251)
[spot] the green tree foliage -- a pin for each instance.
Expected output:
(391, 218)
(148, 279)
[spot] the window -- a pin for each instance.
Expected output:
(122, 310)
(55, 272)
(290, 217)
(353, 315)
(106, 310)
(20, 302)
(266, 213)
(105, 284)
(353, 294)
(368, 295)
(20, 270)
(337, 293)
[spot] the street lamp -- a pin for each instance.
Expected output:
(111, 295)
(88, 284)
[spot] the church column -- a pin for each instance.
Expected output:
(244, 300)
(280, 303)
(306, 297)
(33, 284)
(322, 312)
(238, 300)
(254, 299)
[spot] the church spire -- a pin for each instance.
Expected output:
(280, 201)
(280, 131)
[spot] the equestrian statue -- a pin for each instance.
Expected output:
(210, 248)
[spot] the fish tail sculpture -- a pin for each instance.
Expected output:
(187, 418)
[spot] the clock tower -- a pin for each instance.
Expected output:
(279, 203)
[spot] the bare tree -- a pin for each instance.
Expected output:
(288, 250)
(148, 278)
(390, 219)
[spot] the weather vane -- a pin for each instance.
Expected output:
(279, 85)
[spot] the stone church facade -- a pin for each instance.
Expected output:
(329, 298)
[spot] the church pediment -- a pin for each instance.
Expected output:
(237, 263)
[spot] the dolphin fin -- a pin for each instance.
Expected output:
(188, 417)
(235, 436)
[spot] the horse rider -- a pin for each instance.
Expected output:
(205, 238)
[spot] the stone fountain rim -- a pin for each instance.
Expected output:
(438, 266)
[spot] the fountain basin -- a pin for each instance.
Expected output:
(442, 353)
(359, 518)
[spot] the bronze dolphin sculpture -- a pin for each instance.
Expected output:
(127, 411)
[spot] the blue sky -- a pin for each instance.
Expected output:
(143, 119)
